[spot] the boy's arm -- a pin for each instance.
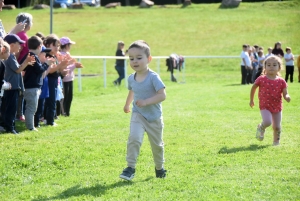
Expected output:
(157, 98)
(252, 92)
(30, 60)
(286, 95)
(128, 101)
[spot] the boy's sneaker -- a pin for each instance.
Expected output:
(160, 173)
(276, 143)
(260, 133)
(22, 118)
(127, 174)
(34, 129)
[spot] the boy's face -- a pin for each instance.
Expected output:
(288, 51)
(15, 47)
(138, 59)
(54, 48)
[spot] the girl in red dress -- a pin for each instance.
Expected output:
(271, 89)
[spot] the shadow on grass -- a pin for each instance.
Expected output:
(95, 191)
(232, 85)
(252, 147)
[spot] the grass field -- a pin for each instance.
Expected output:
(210, 146)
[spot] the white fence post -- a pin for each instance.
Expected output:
(104, 72)
(79, 77)
(158, 66)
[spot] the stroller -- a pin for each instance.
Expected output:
(174, 62)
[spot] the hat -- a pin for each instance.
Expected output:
(66, 40)
(46, 50)
(13, 38)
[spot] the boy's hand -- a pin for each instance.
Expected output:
(50, 61)
(126, 109)
(287, 98)
(30, 60)
(141, 103)
(251, 104)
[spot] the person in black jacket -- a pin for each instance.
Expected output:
(120, 63)
(277, 50)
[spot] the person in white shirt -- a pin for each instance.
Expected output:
(269, 52)
(289, 64)
(245, 65)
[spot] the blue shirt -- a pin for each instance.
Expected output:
(10, 75)
(146, 89)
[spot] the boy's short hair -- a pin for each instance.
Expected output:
(270, 48)
(51, 39)
(260, 52)
(39, 34)
(245, 46)
(288, 48)
(255, 46)
(34, 42)
(142, 45)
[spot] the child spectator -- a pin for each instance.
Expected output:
(245, 64)
(33, 81)
(13, 75)
(289, 64)
(254, 59)
(52, 42)
(44, 89)
(65, 46)
(4, 54)
(146, 92)
(271, 89)
(260, 60)
(120, 63)
(277, 50)
(269, 52)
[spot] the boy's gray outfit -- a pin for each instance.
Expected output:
(33, 82)
(146, 119)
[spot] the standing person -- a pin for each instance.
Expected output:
(119, 66)
(269, 52)
(33, 81)
(13, 75)
(271, 89)
(146, 92)
(245, 64)
(65, 47)
(25, 18)
(52, 42)
(260, 60)
(289, 64)
(277, 50)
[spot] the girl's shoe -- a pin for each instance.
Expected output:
(260, 133)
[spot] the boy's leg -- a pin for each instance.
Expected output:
(244, 74)
(39, 112)
(155, 136)
(31, 97)
(11, 97)
(276, 117)
(51, 101)
(135, 139)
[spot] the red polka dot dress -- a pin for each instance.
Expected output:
(270, 93)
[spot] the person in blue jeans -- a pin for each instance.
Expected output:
(119, 66)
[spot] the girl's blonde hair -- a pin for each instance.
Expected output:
(120, 43)
(269, 58)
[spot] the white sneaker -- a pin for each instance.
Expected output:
(34, 129)
(260, 133)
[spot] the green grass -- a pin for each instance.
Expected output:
(210, 146)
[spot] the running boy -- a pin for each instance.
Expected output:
(146, 92)
(271, 89)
